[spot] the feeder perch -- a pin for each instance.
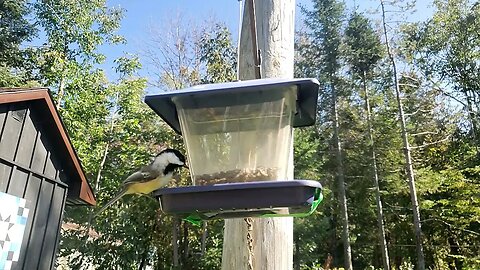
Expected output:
(238, 137)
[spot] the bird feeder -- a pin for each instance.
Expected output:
(238, 137)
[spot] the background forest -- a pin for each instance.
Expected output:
(396, 144)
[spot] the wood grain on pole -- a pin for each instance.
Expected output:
(272, 237)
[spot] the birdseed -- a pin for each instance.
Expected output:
(238, 175)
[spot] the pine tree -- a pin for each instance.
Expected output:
(363, 54)
(324, 23)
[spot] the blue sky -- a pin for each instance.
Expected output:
(142, 16)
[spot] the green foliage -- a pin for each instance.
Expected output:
(110, 123)
(114, 132)
(438, 137)
(363, 46)
(320, 56)
(219, 54)
(446, 50)
(324, 21)
(14, 29)
(9, 78)
(74, 30)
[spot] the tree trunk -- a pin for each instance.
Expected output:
(185, 245)
(455, 251)
(342, 197)
(332, 239)
(102, 163)
(381, 228)
(203, 244)
(406, 151)
(97, 181)
(473, 119)
(61, 84)
(271, 239)
(143, 261)
(175, 242)
(61, 91)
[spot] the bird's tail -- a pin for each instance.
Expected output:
(112, 201)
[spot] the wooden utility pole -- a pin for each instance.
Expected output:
(266, 243)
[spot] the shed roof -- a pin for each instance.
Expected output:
(81, 193)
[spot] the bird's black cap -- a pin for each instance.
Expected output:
(177, 153)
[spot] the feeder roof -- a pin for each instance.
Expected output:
(307, 94)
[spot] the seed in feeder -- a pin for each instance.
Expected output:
(238, 175)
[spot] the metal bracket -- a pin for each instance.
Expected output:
(256, 52)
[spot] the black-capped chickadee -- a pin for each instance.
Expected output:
(151, 177)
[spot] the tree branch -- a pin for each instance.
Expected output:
(423, 133)
(417, 111)
(428, 144)
(451, 225)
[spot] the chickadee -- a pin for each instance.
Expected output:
(151, 177)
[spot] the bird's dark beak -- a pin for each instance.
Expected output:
(186, 167)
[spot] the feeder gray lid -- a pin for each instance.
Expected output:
(307, 94)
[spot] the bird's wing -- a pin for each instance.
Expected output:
(113, 200)
(140, 176)
(144, 175)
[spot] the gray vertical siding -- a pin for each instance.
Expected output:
(52, 232)
(26, 143)
(30, 169)
(4, 176)
(11, 131)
